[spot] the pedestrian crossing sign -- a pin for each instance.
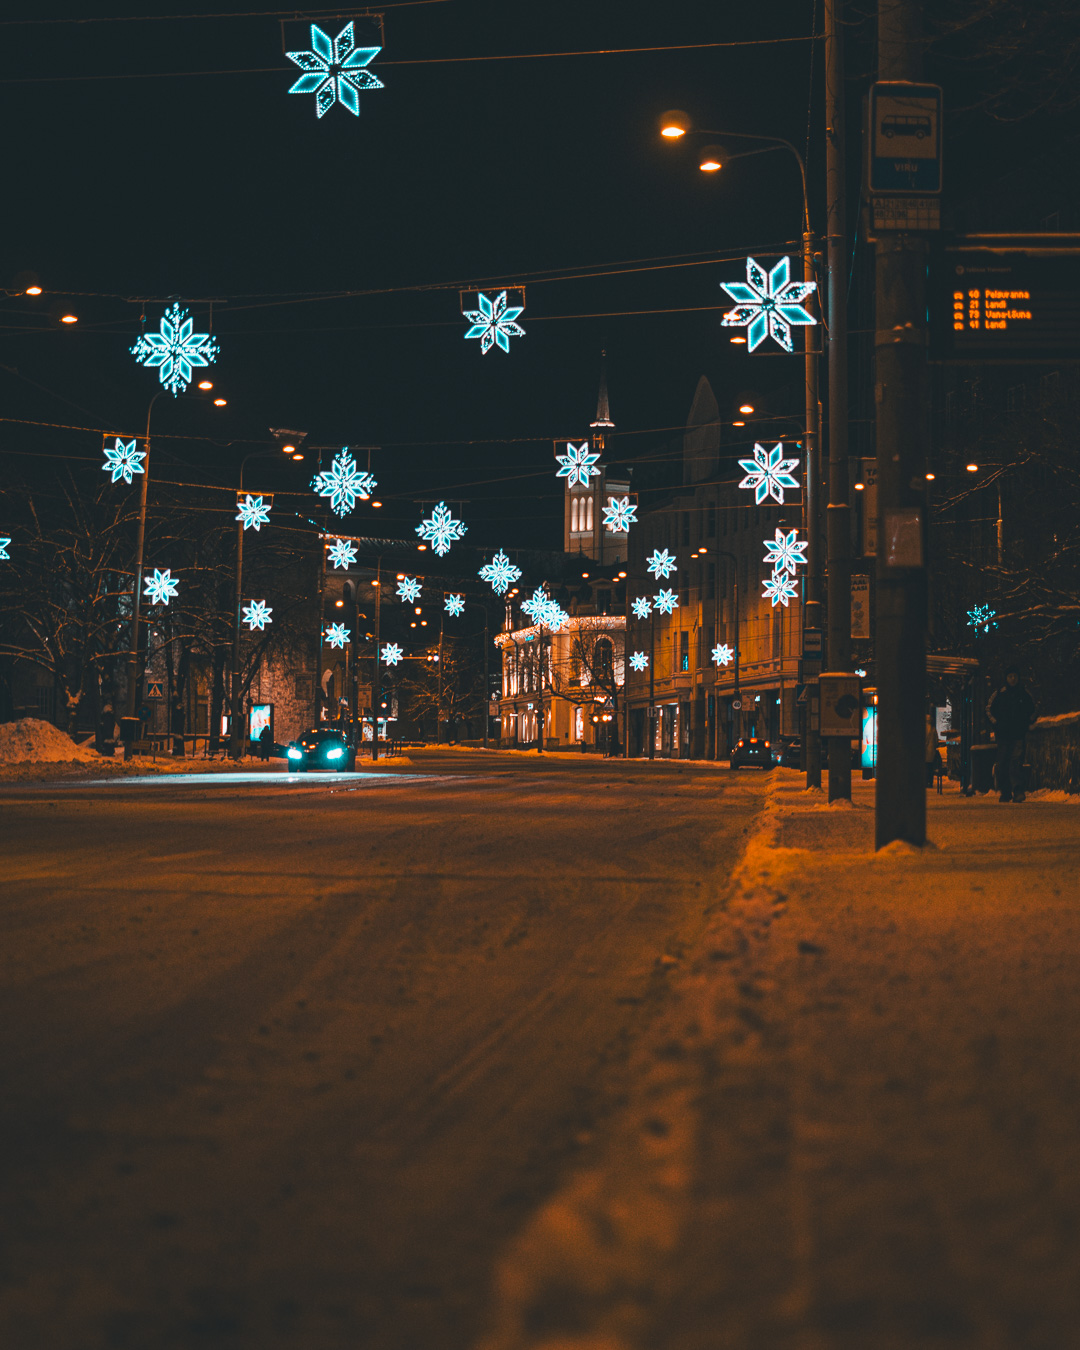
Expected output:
(155, 689)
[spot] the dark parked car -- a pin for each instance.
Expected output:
(788, 752)
(321, 748)
(752, 750)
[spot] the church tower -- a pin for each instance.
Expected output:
(583, 511)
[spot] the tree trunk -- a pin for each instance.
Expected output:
(217, 699)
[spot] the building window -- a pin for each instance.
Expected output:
(579, 724)
(711, 574)
(302, 687)
(686, 527)
(708, 642)
(603, 657)
(710, 520)
(776, 634)
(684, 586)
(684, 650)
(603, 602)
(588, 515)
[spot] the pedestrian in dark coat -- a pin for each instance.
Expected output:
(1011, 711)
(265, 743)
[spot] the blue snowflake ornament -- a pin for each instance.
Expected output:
(334, 70)
(343, 483)
(786, 551)
(254, 512)
(536, 606)
(768, 473)
(661, 564)
(639, 660)
(160, 588)
(768, 306)
(337, 635)
(722, 654)
(577, 464)
(341, 553)
(642, 608)
(391, 654)
(409, 590)
(982, 618)
(123, 460)
(493, 323)
(174, 350)
(454, 605)
(780, 588)
(501, 572)
(5, 556)
(666, 602)
(555, 616)
(619, 515)
(441, 529)
(257, 615)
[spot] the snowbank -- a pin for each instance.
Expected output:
(33, 741)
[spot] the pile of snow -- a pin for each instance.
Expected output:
(31, 740)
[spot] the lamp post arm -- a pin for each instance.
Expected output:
(774, 143)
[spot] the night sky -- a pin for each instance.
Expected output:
(124, 193)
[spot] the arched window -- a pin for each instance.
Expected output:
(574, 514)
(602, 658)
(588, 514)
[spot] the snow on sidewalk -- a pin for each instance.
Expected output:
(856, 1124)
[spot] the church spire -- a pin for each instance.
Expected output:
(603, 412)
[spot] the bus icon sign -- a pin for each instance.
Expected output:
(905, 138)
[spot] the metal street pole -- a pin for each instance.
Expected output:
(236, 744)
(140, 539)
(839, 511)
(723, 553)
(811, 616)
(901, 425)
(438, 703)
(652, 684)
(376, 692)
(487, 678)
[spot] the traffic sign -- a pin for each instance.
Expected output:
(736, 703)
(905, 137)
(155, 689)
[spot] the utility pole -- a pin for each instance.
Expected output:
(376, 692)
(901, 427)
(811, 617)
(839, 511)
(487, 679)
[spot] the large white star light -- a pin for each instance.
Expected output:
(392, 654)
(160, 588)
(5, 556)
(779, 588)
(642, 608)
(619, 515)
(341, 553)
(175, 349)
(661, 564)
(440, 529)
(122, 460)
(722, 654)
(343, 482)
(334, 70)
(493, 323)
(257, 615)
(500, 571)
(536, 606)
(337, 635)
(577, 464)
(666, 602)
(768, 305)
(454, 605)
(409, 590)
(786, 551)
(254, 512)
(639, 660)
(768, 473)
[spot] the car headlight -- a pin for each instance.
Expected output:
(293, 753)
(335, 753)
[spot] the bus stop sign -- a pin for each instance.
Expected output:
(905, 137)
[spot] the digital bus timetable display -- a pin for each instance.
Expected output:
(1007, 304)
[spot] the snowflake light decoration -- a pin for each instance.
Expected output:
(536, 606)
(722, 654)
(5, 556)
(341, 553)
(409, 590)
(175, 349)
(619, 515)
(123, 460)
(642, 608)
(257, 615)
(441, 529)
(768, 473)
(254, 512)
(639, 660)
(334, 70)
(454, 605)
(661, 564)
(555, 616)
(337, 635)
(768, 305)
(391, 654)
(343, 483)
(779, 588)
(982, 617)
(493, 323)
(500, 571)
(786, 551)
(666, 602)
(577, 464)
(160, 588)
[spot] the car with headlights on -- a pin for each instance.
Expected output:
(321, 748)
(752, 750)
